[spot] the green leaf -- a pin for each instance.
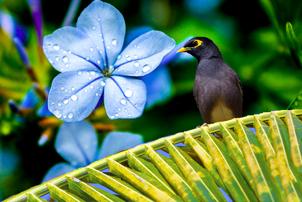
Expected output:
(255, 158)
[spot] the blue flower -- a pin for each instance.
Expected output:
(158, 82)
(77, 144)
(94, 68)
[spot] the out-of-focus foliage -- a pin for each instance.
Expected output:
(261, 40)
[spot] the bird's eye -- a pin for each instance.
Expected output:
(194, 43)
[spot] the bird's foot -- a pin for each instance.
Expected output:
(204, 124)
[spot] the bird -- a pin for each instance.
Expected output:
(217, 90)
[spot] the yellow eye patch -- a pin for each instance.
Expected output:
(197, 43)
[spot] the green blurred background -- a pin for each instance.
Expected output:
(260, 39)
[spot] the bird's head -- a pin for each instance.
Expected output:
(201, 48)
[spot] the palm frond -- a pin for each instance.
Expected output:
(254, 158)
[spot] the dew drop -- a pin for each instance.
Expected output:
(59, 104)
(99, 19)
(65, 59)
(135, 56)
(97, 94)
(57, 58)
(62, 88)
(136, 64)
(91, 49)
(65, 101)
(57, 113)
(93, 28)
(79, 73)
(64, 116)
(103, 83)
(87, 58)
(128, 93)
(72, 89)
(70, 115)
(146, 68)
(74, 97)
(119, 57)
(114, 42)
(91, 86)
(56, 47)
(128, 58)
(92, 73)
(99, 62)
(123, 101)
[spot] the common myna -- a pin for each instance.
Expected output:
(217, 90)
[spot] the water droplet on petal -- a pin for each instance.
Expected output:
(128, 93)
(93, 28)
(62, 88)
(65, 101)
(65, 59)
(57, 58)
(97, 94)
(99, 62)
(128, 58)
(56, 47)
(92, 73)
(146, 68)
(91, 49)
(79, 73)
(119, 57)
(72, 89)
(136, 64)
(74, 97)
(114, 42)
(99, 19)
(59, 104)
(57, 113)
(103, 83)
(70, 115)
(135, 56)
(123, 101)
(87, 58)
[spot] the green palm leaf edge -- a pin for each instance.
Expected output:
(266, 166)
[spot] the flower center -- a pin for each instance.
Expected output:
(107, 72)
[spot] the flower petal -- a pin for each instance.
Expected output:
(30, 100)
(159, 86)
(74, 95)
(143, 54)
(118, 141)
(69, 49)
(57, 170)
(105, 25)
(124, 97)
(134, 33)
(43, 111)
(77, 143)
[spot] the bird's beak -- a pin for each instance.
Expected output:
(183, 49)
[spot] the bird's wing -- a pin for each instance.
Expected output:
(233, 98)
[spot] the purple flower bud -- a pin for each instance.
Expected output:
(36, 11)
(13, 106)
(22, 52)
(72, 10)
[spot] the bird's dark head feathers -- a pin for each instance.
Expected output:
(201, 48)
